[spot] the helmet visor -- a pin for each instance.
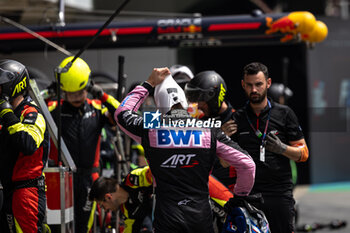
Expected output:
(6, 76)
(195, 94)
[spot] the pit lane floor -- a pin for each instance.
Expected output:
(324, 203)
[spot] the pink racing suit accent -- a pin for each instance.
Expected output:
(181, 160)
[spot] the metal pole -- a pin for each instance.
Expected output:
(25, 29)
(58, 72)
(61, 14)
(62, 198)
(34, 92)
(121, 78)
(101, 29)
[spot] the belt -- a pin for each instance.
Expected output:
(38, 182)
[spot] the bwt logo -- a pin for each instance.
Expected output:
(179, 137)
(180, 159)
(151, 120)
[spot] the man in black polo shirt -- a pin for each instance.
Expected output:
(270, 132)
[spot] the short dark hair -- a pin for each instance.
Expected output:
(101, 186)
(254, 68)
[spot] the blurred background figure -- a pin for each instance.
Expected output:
(132, 197)
(181, 74)
(279, 93)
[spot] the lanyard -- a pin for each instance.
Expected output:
(257, 131)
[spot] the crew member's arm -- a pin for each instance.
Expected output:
(28, 131)
(110, 103)
(126, 115)
(297, 149)
(137, 178)
(229, 127)
(231, 153)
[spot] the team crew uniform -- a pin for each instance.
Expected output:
(82, 133)
(136, 212)
(180, 161)
(24, 142)
(138, 209)
(273, 176)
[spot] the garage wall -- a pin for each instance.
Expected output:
(138, 62)
(329, 101)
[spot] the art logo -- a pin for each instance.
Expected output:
(221, 95)
(20, 86)
(180, 160)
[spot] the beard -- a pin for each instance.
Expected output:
(256, 98)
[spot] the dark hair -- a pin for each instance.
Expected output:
(101, 186)
(254, 68)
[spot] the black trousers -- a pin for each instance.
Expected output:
(280, 213)
(184, 216)
(82, 205)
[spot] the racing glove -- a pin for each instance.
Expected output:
(7, 116)
(5, 107)
(95, 90)
(274, 144)
(236, 201)
(243, 201)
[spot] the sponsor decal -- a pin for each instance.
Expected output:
(152, 120)
(20, 86)
(168, 137)
(180, 160)
(221, 95)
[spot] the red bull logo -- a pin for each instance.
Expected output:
(283, 25)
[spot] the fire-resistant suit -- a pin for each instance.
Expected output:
(181, 160)
(24, 142)
(81, 131)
